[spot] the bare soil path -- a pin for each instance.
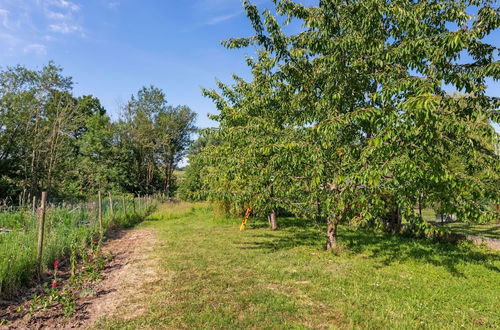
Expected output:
(132, 268)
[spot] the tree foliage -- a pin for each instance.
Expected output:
(372, 108)
(69, 146)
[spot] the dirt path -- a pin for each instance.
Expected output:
(492, 243)
(126, 278)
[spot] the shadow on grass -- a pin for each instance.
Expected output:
(394, 248)
(488, 231)
(284, 223)
(385, 248)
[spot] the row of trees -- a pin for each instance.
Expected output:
(53, 141)
(372, 108)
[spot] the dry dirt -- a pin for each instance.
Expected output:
(126, 276)
(491, 243)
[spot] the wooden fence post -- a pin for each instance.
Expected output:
(111, 204)
(41, 230)
(124, 206)
(34, 205)
(100, 211)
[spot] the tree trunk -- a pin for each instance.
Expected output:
(420, 206)
(166, 182)
(331, 235)
(394, 224)
(169, 168)
(273, 221)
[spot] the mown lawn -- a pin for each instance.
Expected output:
(491, 230)
(214, 276)
(484, 230)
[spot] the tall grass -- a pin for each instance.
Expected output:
(67, 228)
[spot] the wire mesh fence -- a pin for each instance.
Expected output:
(67, 228)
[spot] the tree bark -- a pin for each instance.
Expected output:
(169, 168)
(394, 223)
(331, 235)
(166, 182)
(272, 220)
(420, 206)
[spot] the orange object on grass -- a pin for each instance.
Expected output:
(245, 219)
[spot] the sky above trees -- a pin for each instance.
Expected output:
(113, 47)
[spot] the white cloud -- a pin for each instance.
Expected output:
(55, 15)
(11, 45)
(64, 4)
(49, 38)
(5, 21)
(4, 16)
(37, 49)
(28, 26)
(221, 18)
(8, 40)
(61, 16)
(65, 28)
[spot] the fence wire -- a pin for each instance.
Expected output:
(69, 228)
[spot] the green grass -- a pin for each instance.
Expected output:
(181, 175)
(65, 229)
(429, 215)
(483, 230)
(214, 276)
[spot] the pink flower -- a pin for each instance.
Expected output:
(56, 264)
(54, 284)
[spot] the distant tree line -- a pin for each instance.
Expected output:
(371, 111)
(52, 141)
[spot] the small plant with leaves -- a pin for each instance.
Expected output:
(68, 303)
(52, 297)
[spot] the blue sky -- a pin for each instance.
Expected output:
(112, 48)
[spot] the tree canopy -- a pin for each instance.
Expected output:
(372, 108)
(53, 141)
